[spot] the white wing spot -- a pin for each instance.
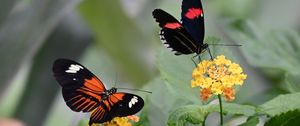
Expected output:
(74, 68)
(133, 100)
(166, 44)
(164, 41)
(130, 104)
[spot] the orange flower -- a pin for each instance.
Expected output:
(133, 118)
(229, 93)
(205, 94)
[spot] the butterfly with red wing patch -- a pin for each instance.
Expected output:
(83, 91)
(186, 37)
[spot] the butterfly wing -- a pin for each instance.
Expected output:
(82, 90)
(117, 105)
(193, 19)
(173, 34)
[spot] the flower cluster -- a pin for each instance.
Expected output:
(120, 121)
(218, 77)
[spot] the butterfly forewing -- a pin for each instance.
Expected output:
(173, 34)
(117, 105)
(166, 20)
(192, 17)
(82, 90)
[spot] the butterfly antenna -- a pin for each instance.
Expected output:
(136, 90)
(225, 44)
(116, 79)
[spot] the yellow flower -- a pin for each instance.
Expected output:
(120, 121)
(217, 76)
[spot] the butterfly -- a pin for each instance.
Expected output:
(186, 37)
(84, 92)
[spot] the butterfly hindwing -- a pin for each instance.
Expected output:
(128, 104)
(117, 105)
(173, 34)
(192, 18)
(82, 90)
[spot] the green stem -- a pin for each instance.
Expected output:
(203, 123)
(221, 109)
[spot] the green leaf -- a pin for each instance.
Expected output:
(281, 104)
(291, 118)
(251, 121)
(232, 108)
(193, 114)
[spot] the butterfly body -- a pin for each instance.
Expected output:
(108, 92)
(84, 92)
(186, 37)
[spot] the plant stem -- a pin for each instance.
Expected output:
(221, 109)
(203, 123)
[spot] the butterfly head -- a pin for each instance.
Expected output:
(109, 92)
(112, 90)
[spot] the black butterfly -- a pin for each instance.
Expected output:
(186, 37)
(83, 91)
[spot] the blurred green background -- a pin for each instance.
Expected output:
(120, 37)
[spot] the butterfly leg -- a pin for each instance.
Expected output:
(211, 57)
(194, 60)
(199, 58)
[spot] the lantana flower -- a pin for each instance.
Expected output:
(120, 121)
(217, 77)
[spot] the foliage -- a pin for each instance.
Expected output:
(251, 121)
(281, 104)
(187, 114)
(290, 118)
(196, 114)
